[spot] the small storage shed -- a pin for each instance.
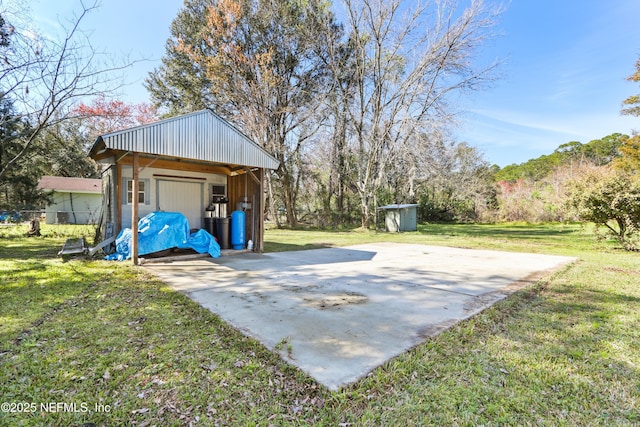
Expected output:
(400, 217)
(180, 165)
(74, 200)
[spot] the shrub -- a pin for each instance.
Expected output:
(611, 200)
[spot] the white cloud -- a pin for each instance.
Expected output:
(515, 136)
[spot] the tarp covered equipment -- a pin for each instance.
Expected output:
(160, 231)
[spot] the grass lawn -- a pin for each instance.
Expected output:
(102, 343)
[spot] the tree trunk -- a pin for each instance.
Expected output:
(364, 211)
(271, 201)
(289, 201)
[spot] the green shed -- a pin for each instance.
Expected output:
(400, 217)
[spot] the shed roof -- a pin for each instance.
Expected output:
(70, 185)
(404, 206)
(200, 136)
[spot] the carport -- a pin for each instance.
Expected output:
(180, 165)
(338, 313)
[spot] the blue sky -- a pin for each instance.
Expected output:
(563, 79)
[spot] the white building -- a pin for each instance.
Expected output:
(75, 200)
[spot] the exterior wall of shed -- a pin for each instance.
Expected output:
(108, 216)
(392, 220)
(404, 219)
(152, 176)
(249, 184)
(244, 186)
(238, 187)
(74, 208)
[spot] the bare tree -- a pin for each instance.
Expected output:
(405, 63)
(43, 77)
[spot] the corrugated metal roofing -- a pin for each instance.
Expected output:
(405, 206)
(202, 136)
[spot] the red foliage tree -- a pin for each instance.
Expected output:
(103, 116)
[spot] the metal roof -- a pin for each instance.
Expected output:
(405, 206)
(201, 136)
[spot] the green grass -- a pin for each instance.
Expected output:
(12, 231)
(562, 352)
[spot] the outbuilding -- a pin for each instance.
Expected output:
(400, 217)
(182, 164)
(73, 200)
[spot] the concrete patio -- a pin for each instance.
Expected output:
(338, 313)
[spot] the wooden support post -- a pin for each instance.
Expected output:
(134, 210)
(118, 197)
(259, 235)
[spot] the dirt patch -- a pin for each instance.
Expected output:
(481, 302)
(433, 330)
(324, 302)
(623, 271)
(299, 288)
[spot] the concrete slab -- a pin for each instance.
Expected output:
(338, 313)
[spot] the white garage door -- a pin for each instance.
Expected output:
(184, 197)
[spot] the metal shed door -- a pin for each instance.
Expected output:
(184, 197)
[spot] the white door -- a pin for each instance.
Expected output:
(184, 197)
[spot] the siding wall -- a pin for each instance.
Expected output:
(151, 176)
(402, 219)
(239, 187)
(74, 208)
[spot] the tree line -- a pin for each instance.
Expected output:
(597, 182)
(357, 104)
(355, 108)
(358, 107)
(537, 190)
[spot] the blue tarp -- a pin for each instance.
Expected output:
(159, 231)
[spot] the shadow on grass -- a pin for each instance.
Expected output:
(344, 228)
(575, 323)
(35, 281)
(490, 230)
(285, 247)
(21, 248)
(30, 298)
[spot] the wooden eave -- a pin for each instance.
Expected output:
(125, 158)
